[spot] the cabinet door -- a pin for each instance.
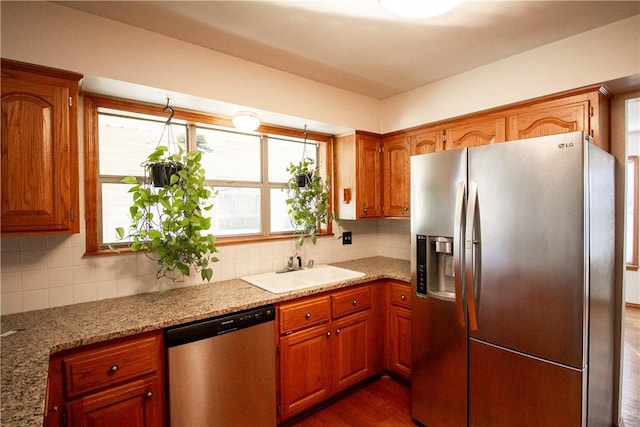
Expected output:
(305, 369)
(474, 133)
(39, 153)
(368, 177)
(136, 404)
(549, 119)
(426, 141)
(351, 350)
(399, 352)
(396, 177)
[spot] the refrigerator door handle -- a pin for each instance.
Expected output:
(470, 253)
(458, 250)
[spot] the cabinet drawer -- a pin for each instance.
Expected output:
(92, 369)
(351, 301)
(400, 295)
(298, 315)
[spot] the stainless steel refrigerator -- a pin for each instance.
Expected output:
(512, 249)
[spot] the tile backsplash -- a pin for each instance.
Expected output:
(49, 271)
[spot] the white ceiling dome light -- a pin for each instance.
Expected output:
(419, 9)
(246, 121)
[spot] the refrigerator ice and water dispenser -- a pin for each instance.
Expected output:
(435, 274)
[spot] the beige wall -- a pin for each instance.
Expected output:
(606, 53)
(48, 34)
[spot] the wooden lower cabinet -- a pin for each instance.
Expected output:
(321, 360)
(399, 329)
(305, 369)
(351, 351)
(111, 383)
(133, 402)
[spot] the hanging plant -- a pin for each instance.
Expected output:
(167, 220)
(308, 204)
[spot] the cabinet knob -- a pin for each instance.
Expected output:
(114, 368)
(403, 297)
(406, 208)
(307, 316)
(150, 393)
(328, 334)
(364, 210)
(337, 331)
(355, 302)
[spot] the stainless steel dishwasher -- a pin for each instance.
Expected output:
(221, 371)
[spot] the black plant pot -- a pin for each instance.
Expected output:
(161, 173)
(302, 179)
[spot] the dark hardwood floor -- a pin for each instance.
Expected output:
(385, 401)
(631, 369)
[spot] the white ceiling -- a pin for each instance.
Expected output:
(356, 44)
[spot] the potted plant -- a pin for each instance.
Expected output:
(308, 200)
(167, 221)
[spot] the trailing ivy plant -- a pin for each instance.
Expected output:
(308, 200)
(168, 221)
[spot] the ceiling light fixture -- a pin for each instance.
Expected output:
(419, 9)
(246, 121)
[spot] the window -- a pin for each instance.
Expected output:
(632, 213)
(246, 170)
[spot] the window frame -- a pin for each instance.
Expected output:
(93, 102)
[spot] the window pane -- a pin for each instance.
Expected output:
(280, 221)
(115, 210)
(125, 143)
(236, 210)
(283, 152)
(229, 156)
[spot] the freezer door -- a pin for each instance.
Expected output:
(439, 336)
(528, 247)
(507, 388)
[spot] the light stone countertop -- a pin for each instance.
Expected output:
(24, 355)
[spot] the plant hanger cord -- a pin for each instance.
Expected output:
(168, 128)
(304, 146)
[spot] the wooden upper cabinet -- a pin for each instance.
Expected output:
(396, 177)
(358, 175)
(586, 111)
(474, 132)
(426, 141)
(368, 166)
(540, 121)
(39, 150)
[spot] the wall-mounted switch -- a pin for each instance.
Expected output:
(346, 238)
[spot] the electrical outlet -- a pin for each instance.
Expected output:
(346, 238)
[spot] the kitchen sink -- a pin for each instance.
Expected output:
(319, 275)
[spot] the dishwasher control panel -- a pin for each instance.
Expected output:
(206, 328)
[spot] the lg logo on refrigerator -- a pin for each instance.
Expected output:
(567, 145)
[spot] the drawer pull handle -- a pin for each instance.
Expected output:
(307, 316)
(114, 368)
(355, 302)
(403, 297)
(149, 393)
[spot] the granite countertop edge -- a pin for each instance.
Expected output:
(24, 354)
